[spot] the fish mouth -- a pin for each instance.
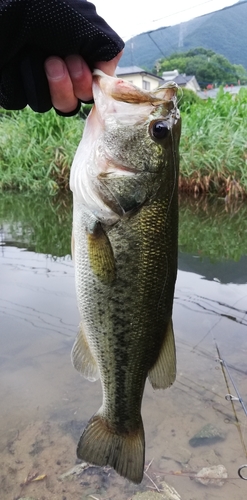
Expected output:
(125, 103)
(123, 91)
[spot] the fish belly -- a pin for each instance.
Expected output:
(125, 277)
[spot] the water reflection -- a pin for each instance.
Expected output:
(36, 223)
(45, 402)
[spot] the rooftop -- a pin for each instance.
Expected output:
(132, 70)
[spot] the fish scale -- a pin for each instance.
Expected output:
(125, 224)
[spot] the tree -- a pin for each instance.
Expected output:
(207, 66)
(242, 73)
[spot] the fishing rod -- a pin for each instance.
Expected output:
(242, 470)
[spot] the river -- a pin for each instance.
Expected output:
(45, 403)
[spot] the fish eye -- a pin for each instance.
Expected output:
(160, 129)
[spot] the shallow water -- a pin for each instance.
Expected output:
(45, 403)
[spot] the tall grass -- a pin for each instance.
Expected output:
(214, 146)
(36, 150)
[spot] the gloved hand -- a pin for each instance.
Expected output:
(33, 30)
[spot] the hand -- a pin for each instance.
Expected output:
(42, 30)
(71, 79)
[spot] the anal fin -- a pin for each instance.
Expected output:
(82, 358)
(163, 373)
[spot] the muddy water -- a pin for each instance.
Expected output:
(44, 402)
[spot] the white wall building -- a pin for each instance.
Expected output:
(139, 77)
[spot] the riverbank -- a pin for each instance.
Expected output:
(36, 150)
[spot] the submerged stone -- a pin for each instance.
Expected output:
(212, 476)
(205, 459)
(169, 493)
(209, 434)
(179, 454)
(75, 471)
(148, 495)
(73, 427)
(26, 498)
(166, 493)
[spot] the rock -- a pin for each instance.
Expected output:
(73, 427)
(206, 459)
(179, 454)
(213, 476)
(169, 493)
(148, 495)
(208, 435)
(75, 471)
(182, 455)
(26, 498)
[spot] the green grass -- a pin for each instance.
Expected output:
(36, 150)
(214, 146)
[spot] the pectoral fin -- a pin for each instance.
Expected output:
(100, 253)
(82, 358)
(163, 373)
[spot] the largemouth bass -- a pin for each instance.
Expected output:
(124, 180)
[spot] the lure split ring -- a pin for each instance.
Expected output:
(240, 473)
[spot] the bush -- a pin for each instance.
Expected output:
(187, 98)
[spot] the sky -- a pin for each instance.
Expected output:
(131, 17)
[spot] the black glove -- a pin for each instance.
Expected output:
(32, 30)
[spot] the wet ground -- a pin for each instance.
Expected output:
(45, 403)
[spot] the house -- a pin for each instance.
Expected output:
(139, 77)
(212, 93)
(185, 81)
(169, 76)
(188, 82)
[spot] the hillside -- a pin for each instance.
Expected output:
(223, 31)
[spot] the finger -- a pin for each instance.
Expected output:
(109, 67)
(61, 88)
(81, 77)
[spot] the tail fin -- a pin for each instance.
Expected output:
(102, 445)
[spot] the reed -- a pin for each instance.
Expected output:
(36, 150)
(214, 146)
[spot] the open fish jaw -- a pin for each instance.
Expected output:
(112, 130)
